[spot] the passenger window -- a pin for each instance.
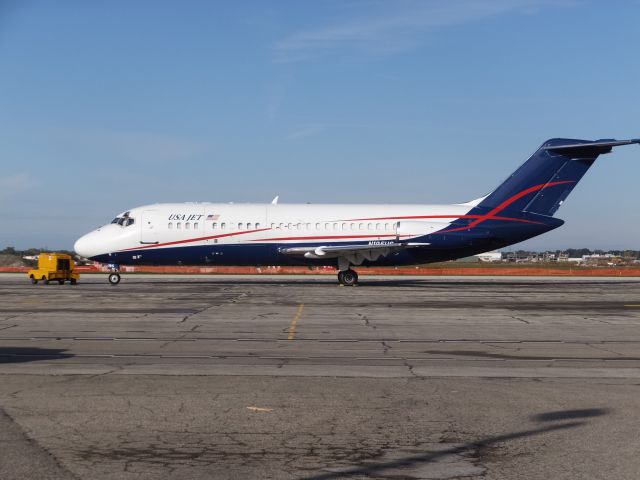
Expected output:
(344, 226)
(281, 225)
(326, 226)
(273, 225)
(240, 226)
(257, 226)
(370, 226)
(170, 225)
(361, 226)
(308, 226)
(335, 226)
(195, 225)
(317, 226)
(353, 226)
(187, 225)
(214, 225)
(178, 225)
(289, 226)
(378, 226)
(248, 226)
(223, 225)
(299, 226)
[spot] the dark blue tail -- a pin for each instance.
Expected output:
(544, 181)
(523, 206)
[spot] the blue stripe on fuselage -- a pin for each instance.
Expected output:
(490, 235)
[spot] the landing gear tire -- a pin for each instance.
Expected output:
(114, 278)
(348, 278)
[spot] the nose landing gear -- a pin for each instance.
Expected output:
(114, 274)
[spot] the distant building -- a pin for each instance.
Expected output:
(490, 257)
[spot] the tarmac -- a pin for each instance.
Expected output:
(285, 377)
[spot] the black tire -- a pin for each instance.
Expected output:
(348, 278)
(73, 281)
(45, 280)
(34, 281)
(61, 282)
(114, 278)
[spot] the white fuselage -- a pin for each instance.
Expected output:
(186, 225)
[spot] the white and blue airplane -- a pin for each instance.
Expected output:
(342, 236)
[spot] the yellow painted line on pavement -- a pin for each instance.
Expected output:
(294, 322)
(259, 409)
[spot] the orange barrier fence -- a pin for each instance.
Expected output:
(472, 270)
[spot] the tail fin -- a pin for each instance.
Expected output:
(544, 181)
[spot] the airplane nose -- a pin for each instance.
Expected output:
(85, 246)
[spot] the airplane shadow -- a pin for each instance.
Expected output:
(577, 417)
(31, 354)
(365, 282)
(328, 281)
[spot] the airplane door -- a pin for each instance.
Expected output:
(149, 227)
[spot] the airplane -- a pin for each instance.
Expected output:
(342, 236)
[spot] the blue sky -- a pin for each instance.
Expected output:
(105, 106)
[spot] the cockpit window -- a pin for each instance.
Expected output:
(124, 221)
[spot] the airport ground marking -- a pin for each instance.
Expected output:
(259, 409)
(294, 322)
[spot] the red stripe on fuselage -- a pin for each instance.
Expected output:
(492, 214)
(414, 217)
(478, 220)
(199, 239)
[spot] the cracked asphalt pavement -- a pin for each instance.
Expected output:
(166, 377)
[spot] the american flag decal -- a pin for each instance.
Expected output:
(213, 217)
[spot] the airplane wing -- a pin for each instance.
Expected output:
(355, 253)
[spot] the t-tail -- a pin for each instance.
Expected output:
(544, 181)
(524, 204)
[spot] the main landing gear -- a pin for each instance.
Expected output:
(348, 278)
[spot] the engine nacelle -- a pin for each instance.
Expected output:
(417, 228)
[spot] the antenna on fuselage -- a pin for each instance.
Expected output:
(275, 200)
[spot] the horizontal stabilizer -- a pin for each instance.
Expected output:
(598, 146)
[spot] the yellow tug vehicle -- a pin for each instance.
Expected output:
(53, 267)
